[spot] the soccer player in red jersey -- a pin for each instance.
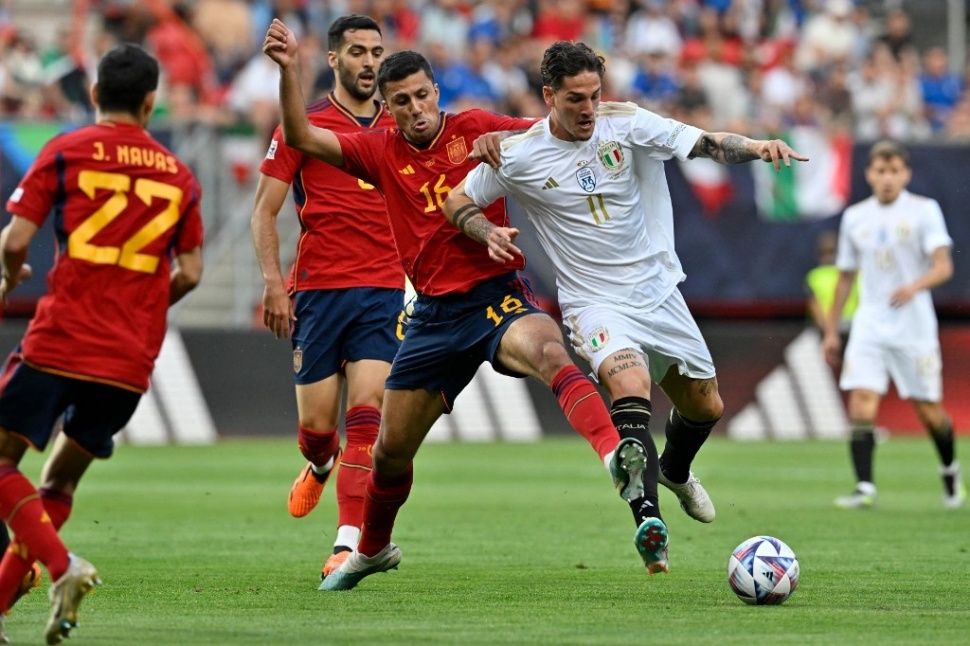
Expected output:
(129, 235)
(345, 292)
(468, 310)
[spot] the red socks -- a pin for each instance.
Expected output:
(585, 410)
(23, 511)
(316, 447)
(355, 466)
(18, 560)
(385, 496)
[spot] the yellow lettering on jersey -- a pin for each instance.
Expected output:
(364, 185)
(441, 192)
(98, 151)
(147, 157)
(79, 243)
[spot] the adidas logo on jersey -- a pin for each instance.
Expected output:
(407, 170)
(550, 183)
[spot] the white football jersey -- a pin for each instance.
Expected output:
(601, 208)
(890, 245)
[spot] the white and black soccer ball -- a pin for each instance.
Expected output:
(763, 571)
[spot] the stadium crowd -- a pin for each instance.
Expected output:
(738, 65)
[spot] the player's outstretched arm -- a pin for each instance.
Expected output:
(730, 148)
(281, 46)
(462, 212)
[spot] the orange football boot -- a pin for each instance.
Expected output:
(306, 490)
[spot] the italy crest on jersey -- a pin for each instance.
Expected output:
(598, 338)
(457, 153)
(611, 156)
(586, 179)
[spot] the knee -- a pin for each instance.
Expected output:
(553, 357)
(316, 423)
(389, 460)
(708, 410)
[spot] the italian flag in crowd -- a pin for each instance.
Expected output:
(815, 189)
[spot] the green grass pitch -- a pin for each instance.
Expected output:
(511, 544)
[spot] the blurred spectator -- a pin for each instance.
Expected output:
(67, 83)
(509, 82)
(724, 86)
(443, 23)
(500, 20)
(655, 86)
(834, 96)
(898, 37)
(886, 99)
(941, 89)
(711, 34)
(559, 20)
(225, 27)
(783, 84)
(828, 37)
(180, 51)
(467, 82)
(958, 125)
(23, 76)
(651, 29)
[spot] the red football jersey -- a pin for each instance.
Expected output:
(122, 205)
(438, 258)
(344, 237)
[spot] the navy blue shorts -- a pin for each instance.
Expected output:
(31, 400)
(334, 326)
(449, 337)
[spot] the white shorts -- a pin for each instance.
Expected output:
(916, 369)
(666, 336)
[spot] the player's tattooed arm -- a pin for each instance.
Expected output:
(461, 211)
(729, 148)
(726, 148)
(472, 222)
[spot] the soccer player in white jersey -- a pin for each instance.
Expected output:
(590, 178)
(898, 244)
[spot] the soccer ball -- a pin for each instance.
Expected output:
(763, 571)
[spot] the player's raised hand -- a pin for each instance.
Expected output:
(500, 244)
(777, 151)
(280, 44)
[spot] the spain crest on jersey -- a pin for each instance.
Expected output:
(611, 156)
(457, 152)
(586, 179)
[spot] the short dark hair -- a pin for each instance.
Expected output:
(401, 65)
(564, 59)
(343, 24)
(887, 150)
(126, 74)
